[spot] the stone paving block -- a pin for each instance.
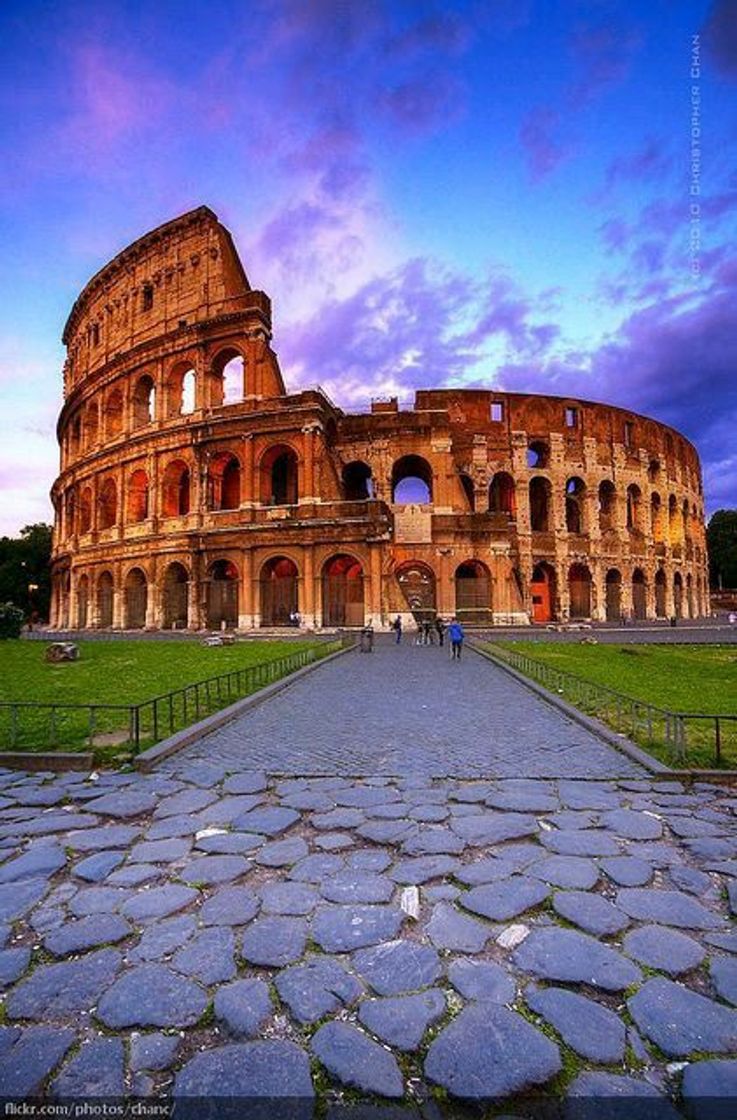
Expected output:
(40, 862)
(316, 987)
(587, 795)
(98, 900)
(168, 827)
(316, 867)
(95, 1071)
(448, 928)
(669, 908)
(580, 842)
(158, 902)
(282, 853)
(54, 990)
(504, 900)
(433, 840)
(566, 871)
(724, 978)
(246, 782)
(421, 869)
(28, 1057)
(682, 1022)
(230, 906)
(663, 948)
(709, 1089)
(627, 871)
(96, 929)
(387, 832)
(163, 938)
(13, 963)
(288, 898)
(590, 911)
(274, 941)
(489, 1052)
(482, 980)
(186, 802)
(213, 870)
(126, 803)
(611, 1096)
(338, 818)
(160, 851)
(135, 875)
(152, 1050)
(48, 823)
(361, 797)
(493, 827)
(209, 957)
(229, 843)
(226, 810)
(151, 995)
(272, 1071)
(16, 899)
(692, 880)
(591, 1030)
(243, 1007)
(356, 1060)
(397, 966)
(339, 929)
(269, 820)
(351, 886)
(568, 956)
(631, 824)
(726, 941)
(401, 1021)
(334, 841)
(98, 866)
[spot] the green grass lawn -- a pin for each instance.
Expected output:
(688, 678)
(115, 672)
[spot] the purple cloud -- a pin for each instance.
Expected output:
(603, 54)
(720, 37)
(544, 152)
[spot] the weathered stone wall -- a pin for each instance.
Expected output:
(195, 491)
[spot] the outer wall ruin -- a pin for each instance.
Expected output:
(195, 491)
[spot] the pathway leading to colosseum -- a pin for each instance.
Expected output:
(410, 710)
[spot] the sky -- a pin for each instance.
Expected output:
(523, 194)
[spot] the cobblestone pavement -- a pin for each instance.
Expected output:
(212, 932)
(411, 710)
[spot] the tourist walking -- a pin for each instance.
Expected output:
(440, 631)
(456, 635)
(397, 628)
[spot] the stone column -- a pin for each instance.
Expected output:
(374, 605)
(246, 618)
(249, 490)
(309, 607)
(118, 597)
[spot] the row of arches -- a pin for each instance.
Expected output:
(685, 595)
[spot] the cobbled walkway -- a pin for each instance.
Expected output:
(411, 710)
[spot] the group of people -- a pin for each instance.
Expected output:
(428, 631)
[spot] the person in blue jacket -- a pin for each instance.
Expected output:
(456, 635)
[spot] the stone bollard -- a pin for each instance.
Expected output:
(61, 651)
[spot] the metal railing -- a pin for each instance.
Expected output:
(35, 727)
(687, 738)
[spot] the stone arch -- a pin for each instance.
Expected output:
(613, 584)
(175, 494)
(175, 603)
(473, 593)
(107, 505)
(75, 427)
(634, 508)
(607, 506)
(279, 475)
(222, 595)
(675, 534)
(225, 481)
(137, 497)
(342, 591)
(678, 595)
(278, 591)
(657, 527)
(83, 602)
(639, 594)
(135, 599)
(105, 589)
(660, 593)
(417, 583)
(85, 511)
(543, 592)
(575, 495)
(690, 596)
(579, 590)
(180, 390)
(144, 401)
(228, 375)
(114, 409)
(468, 490)
(358, 484)
(503, 494)
(412, 481)
(540, 491)
(91, 425)
(538, 454)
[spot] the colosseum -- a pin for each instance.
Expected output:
(196, 492)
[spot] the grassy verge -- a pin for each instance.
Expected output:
(693, 679)
(124, 673)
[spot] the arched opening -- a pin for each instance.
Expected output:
(105, 600)
(279, 476)
(417, 584)
(136, 599)
(222, 596)
(538, 454)
(690, 596)
(342, 592)
(91, 426)
(653, 471)
(176, 585)
(607, 506)
(225, 482)
(411, 481)
(358, 485)
(660, 585)
(107, 505)
(181, 387)
(639, 594)
(613, 595)
(279, 591)
(539, 504)
(175, 500)
(144, 402)
(674, 521)
(85, 511)
(473, 593)
(227, 370)
(634, 502)
(467, 485)
(656, 518)
(114, 414)
(138, 497)
(502, 494)
(542, 593)
(83, 602)
(76, 434)
(678, 595)
(575, 491)
(579, 589)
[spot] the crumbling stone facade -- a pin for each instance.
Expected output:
(195, 491)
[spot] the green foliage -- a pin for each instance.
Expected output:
(25, 577)
(721, 540)
(11, 621)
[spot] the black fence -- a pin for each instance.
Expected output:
(39, 727)
(679, 738)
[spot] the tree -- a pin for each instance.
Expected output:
(25, 575)
(721, 540)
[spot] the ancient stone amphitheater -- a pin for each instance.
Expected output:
(196, 491)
